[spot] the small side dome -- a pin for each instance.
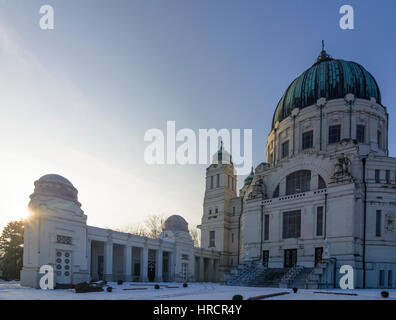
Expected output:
(55, 186)
(249, 178)
(56, 178)
(175, 223)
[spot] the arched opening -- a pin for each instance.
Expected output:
(276, 192)
(321, 183)
(299, 181)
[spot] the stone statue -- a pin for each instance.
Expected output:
(342, 167)
(258, 189)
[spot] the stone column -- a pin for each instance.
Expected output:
(108, 261)
(127, 263)
(201, 269)
(158, 265)
(210, 270)
(215, 269)
(172, 266)
(144, 264)
(89, 248)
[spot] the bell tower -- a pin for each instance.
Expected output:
(221, 184)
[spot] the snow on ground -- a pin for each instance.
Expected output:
(195, 291)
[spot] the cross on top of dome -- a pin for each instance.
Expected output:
(323, 56)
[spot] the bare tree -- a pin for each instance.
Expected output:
(195, 235)
(138, 229)
(151, 227)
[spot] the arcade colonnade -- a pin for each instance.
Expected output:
(113, 256)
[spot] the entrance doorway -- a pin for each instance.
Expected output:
(290, 258)
(151, 271)
(185, 271)
(265, 258)
(318, 255)
(100, 267)
(63, 267)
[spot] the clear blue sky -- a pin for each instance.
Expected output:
(77, 100)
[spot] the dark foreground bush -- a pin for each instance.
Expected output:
(156, 286)
(185, 285)
(109, 289)
(84, 287)
(385, 294)
(295, 290)
(120, 282)
(237, 297)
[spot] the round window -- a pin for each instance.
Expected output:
(59, 254)
(58, 267)
(67, 273)
(59, 260)
(67, 267)
(67, 260)
(67, 254)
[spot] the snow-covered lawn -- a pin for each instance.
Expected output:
(194, 291)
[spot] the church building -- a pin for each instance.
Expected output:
(325, 198)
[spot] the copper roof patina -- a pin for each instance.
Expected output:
(328, 78)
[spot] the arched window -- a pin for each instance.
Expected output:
(299, 181)
(321, 183)
(276, 192)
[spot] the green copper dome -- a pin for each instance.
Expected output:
(328, 78)
(250, 177)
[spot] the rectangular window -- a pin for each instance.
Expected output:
(228, 182)
(319, 221)
(211, 239)
(266, 227)
(379, 139)
(390, 279)
(307, 140)
(291, 224)
(334, 134)
(63, 239)
(377, 176)
(233, 211)
(360, 134)
(381, 278)
(218, 181)
(232, 183)
(211, 182)
(378, 223)
(387, 175)
(285, 149)
(232, 238)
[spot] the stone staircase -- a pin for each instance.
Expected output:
(255, 275)
(290, 276)
(301, 279)
(245, 273)
(314, 279)
(271, 278)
